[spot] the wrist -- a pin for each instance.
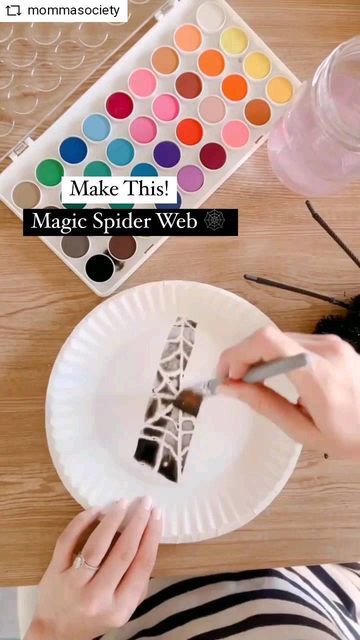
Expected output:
(40, 630)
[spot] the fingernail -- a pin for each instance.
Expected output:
(156, 513)
(122, 504)
(146, 503)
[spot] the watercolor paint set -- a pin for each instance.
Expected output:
(194, 97)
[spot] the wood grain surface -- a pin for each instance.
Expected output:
(316, 518)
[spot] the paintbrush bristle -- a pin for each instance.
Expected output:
(189, 401)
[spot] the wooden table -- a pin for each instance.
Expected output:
(316, 518)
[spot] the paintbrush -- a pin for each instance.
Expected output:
(317, 217)
(189, 400)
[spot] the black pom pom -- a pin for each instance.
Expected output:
(355, 305)
(347, 326)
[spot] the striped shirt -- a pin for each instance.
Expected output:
(297, 603)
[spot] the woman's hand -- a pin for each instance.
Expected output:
(81, 604)
(327, 415)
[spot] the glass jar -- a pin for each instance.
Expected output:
(314, 149)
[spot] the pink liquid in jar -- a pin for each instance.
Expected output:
(314, 149)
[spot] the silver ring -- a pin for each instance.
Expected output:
(80, 562)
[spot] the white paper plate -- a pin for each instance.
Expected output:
(98, 395)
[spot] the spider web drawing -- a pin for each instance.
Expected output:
(165, 439)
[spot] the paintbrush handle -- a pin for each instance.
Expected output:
(264, 370)
(260, 372)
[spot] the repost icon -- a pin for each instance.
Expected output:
(13, 10)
